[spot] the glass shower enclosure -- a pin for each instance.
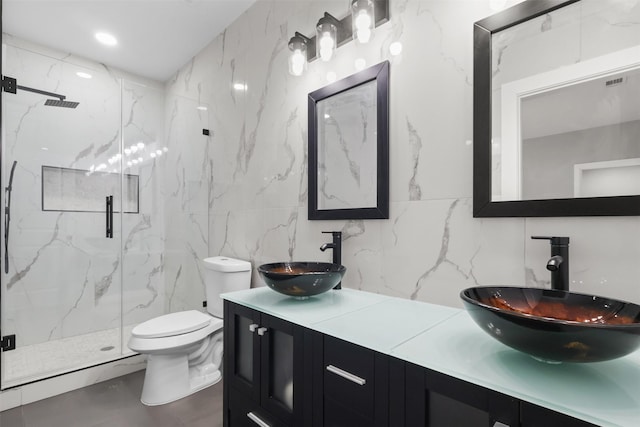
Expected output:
(82, 226)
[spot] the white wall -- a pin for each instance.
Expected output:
(431, 247)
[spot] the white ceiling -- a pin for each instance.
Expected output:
(156, 37)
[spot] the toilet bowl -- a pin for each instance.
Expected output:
(184, 349)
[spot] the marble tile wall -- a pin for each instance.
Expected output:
(431, 247)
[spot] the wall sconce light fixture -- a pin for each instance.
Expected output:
(362, 18)
(327, 36)
(299, 52)
(332, 33)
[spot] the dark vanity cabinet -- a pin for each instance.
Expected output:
(437, 400)
(277, 373)
(264, 372)
(351, 385)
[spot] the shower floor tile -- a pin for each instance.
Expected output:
(38, 361)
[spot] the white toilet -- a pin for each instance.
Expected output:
(185, 348)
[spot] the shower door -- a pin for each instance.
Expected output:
(65, 195)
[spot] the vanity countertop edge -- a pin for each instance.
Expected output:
(446, 340)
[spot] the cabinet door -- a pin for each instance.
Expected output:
(438, 400)
(354, 386)
(535, 416)
(242, 350)
(281, 369)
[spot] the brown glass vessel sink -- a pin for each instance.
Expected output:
(556, 326)
(301, 279)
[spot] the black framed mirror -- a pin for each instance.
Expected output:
(551, 79)
(349, 147)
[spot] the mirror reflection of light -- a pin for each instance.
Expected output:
(240, 86)
(331, 76)
(133, 148)
(360, 63)
(83, 75)
(129, 164)
(201, 108)
(152, 155)
(140, 159)
(165, 149)
(395, 48)
(326, 116)
(127, 151)
(140, 145)
(134, 161)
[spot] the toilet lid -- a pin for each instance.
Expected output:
(172, 324)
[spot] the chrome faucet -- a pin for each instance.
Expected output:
(336, 245)
(558, 264)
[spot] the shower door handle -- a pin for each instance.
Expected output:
(109, 219)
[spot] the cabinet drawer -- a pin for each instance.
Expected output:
(349, 375)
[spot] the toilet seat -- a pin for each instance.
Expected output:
(171, 343)
(172, 324)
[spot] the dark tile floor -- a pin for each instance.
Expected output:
(116, 403)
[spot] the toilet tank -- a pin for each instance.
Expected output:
(223, 274)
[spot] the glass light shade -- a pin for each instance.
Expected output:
(363, 20)
(326, 36)
(298, 56)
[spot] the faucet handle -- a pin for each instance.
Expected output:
(555, 240)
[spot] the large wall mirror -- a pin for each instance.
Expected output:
(557, 109)
(349, 147)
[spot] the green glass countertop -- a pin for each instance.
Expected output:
(447, 340)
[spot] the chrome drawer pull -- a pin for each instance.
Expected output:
(256, 419)
(261, 331)
(253, 327)
(346, 375)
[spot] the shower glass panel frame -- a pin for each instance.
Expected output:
(62, 296)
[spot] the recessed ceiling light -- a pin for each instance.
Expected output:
(106, 39)
(83, 75)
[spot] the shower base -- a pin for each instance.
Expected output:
(39, 361)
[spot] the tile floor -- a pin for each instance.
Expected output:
(116, 403)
